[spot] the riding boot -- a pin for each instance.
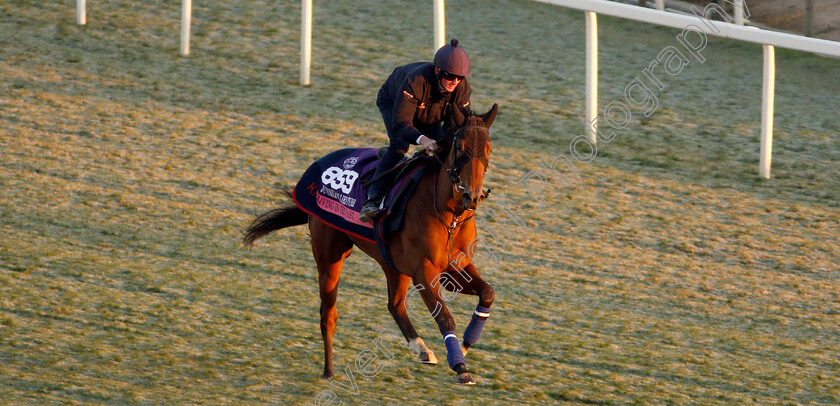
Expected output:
(376, 191)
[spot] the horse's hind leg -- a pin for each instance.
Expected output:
(397, 289)
(329, 247)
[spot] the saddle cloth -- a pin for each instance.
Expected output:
(331, 189)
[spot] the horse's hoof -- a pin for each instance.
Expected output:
(428, 357)
(464, 348)
(465, 378)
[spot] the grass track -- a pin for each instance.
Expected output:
(665, 272)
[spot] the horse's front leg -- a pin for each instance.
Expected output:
(397, 289)
(425, 275)
(474, 285)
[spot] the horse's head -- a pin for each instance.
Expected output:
(469, 155)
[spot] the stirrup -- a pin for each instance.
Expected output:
(371, 210)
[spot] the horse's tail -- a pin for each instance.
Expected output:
(274, 220)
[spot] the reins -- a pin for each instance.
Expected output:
(453, 171)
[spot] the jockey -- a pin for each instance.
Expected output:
(414, 101)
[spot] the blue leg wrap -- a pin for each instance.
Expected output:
(473, 331)
(453, 349)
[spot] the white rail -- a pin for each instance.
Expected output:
(766, 152)
(699, 24)
(739, 12)
(186, 18)
(81, 13)
(305, 40)
(717, 28)
(591, 75)
(440, 26)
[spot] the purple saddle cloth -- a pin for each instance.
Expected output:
(332, 190)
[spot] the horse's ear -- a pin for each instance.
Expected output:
(489, 116)
(457, 117)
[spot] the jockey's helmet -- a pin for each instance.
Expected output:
(453, 59)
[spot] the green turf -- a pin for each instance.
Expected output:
(664, 272)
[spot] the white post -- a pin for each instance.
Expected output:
(660, 5)
(440, 26)
(739, 12)
(81, 18)
(305, 40)
(767, 112)
(186, 16)
(591, 74)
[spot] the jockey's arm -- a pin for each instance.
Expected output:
(405, 108)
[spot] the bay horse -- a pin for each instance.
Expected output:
(438, 227)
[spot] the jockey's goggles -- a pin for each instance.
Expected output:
(450, 76)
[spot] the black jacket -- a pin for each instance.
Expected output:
(418, 104)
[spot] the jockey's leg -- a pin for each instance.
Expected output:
(396, 150)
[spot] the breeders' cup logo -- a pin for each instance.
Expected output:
(349, 163)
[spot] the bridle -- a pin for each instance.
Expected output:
(454, 176)
(452, 172)
(457, 189)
